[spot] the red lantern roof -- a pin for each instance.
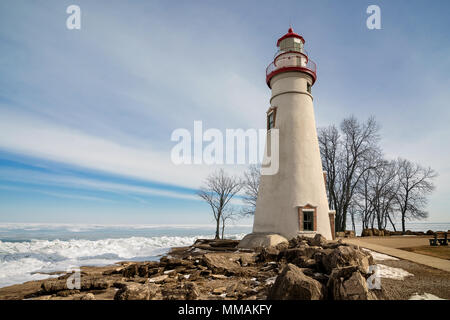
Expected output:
(290, 34)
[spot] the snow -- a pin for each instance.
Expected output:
(392, 273)
(379, 256)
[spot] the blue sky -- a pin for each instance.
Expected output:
(86, 115)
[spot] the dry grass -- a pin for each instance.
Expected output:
(442, 252)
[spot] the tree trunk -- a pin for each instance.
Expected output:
(393, 225)
(403, 223)
(223, 228)
(217, 228)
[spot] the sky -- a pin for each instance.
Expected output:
(86, 116)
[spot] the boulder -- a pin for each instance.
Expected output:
(348, 283)
(158, 279)
(293, 284)
(95, 284)
(376, 232)
(53, 286)
(318, 240)
(349, 233)
(367, 233)
(223, 263)
(136, 291)
(87, 296)
(192, 292)
(268, 254)
(344, 256)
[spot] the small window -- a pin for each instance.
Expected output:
(271, 117)
(308, 220)
(270, 120)
(308, 87)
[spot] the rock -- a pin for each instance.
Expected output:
(268, 254)
(264, 240)
(219, 290)
(66, 293)
(376, 232)
(192, 292)
(223, 263)
(224, 243)
(349, 234)
(158, 279)
(349, 284)
(53, 286)
(345, 256)
(291, 255)
(137, 291)
(130, 271)
(367, 233)
(318, 240)
(293, 284)
(88, 296)
(299, 241)
(205, 273)
(340, 234)
(282, 246)
(95, 284)
(269, 266)
(247, 258)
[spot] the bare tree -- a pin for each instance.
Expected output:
(383, 189)
(250, 186)
(346, 157)
(229, 214)
(218, 189)
(415, 184)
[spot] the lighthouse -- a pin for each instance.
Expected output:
(293, 201)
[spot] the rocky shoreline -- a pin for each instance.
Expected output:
(304, 268)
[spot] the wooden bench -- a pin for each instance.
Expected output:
(439, 241)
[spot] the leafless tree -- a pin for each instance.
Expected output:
(415, 184)
(346, 156)
(229, 214)
(218, 189)
(383, 188)
(250, 187)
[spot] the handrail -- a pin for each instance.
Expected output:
(291, 63)
(291, 49)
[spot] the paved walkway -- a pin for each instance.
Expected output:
(429, 261)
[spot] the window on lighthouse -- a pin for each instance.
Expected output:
(308, 220)
(270, 120)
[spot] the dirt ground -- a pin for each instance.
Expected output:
(442, 252)
(425, 280)
(397, 241)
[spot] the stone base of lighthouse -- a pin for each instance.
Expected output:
(261, 239)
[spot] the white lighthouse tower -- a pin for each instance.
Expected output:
(293, 201)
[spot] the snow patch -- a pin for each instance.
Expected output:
(379, 256)
(392, 273)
